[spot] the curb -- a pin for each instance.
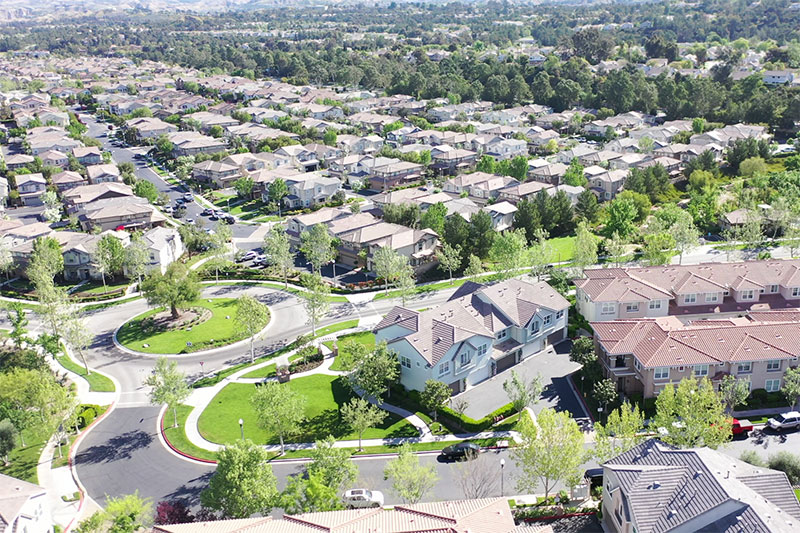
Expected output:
(574, 388)
(179, 452)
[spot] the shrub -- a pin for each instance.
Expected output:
(752, 457)
(788, 463)
(86, 417)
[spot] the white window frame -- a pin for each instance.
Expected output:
(712, 297)
(795, 292)
(773, 289)
(444, 368)
(547, 320)
(747, 294)
(468, 361)
(772, 385)
(608, 308)
(405, 361)
(502, 334)
(771, 365)
(700, 371)
(535, 327)
(658, 372)
(636, 364)
(654, 304)
(632, 308)
(559, 314)
(744, 368)
(690, 298)
(482, 349)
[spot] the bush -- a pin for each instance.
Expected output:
(787, 463)
(752, 457)
(86, 417)
(475, 426)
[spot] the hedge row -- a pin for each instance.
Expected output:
(476, 426)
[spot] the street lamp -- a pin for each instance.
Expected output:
(502, 477)
(241, 427)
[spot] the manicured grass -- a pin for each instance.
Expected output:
(324, 394)
(96, 287)
(23, 460)
(797, 493)
(367, 338)
(439, 285)
(267, 371)
(97, 382)
(106, 305)
(339, 326)
(563, 249)
(177, 436)
(416, 446)
(217, 328)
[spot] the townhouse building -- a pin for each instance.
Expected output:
(150, 128)
(480, 331)
(30, 188)
(103, 174)
(219, 173)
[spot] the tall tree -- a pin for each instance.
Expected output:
(110, 256)
(15, 314)
(604, 391)
(279, 409)
(137, 257)
(277, 191)
(587, 207)
(176, 287)
(615, 248)
(434, 217)
(35, 400)
(360, 415)
(434, 396)
(621, 215)
(371, 371)
(474, 267)
(8, 439)
(481, 233)
(449, 258)
(622, 431)
(315, 300)
(549, 454)
(406, 282)
(691, 414)
(521, 393)
(410, 480)
(509, 251)
(46, 259)
(318, 246)
(332, 464)
(388, 265)
(279, 252)
(791, 385)
(539, 254)
(78, 336)
(251, 317)
(169, 386)
(585, 247)
(243, 483)
(733, 391)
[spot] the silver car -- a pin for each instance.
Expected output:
(790, 420)
(361, 498)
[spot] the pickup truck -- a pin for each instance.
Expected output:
(741, 427)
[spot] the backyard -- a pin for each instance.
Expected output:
(218, 330)
(324, 395)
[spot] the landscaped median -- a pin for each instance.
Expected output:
(209, 323)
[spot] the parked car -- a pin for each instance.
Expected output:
(741, 427)
(360, 498)
(259, 259)
(462, 450)
(167, 209)
(247, 256)
(189, 221)
(790, 420)
(229, 219)
(207, 212)
(188, 197)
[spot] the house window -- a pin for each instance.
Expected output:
(773, 289)
(547, 320)
(661, 372)
(559, 314)
(749, 294)
(535, 327)
(700, 370)
(711, 297)
(466, 358)
(689, 298)
(444, 368)
(727, 293)
(632, 308)
(774, 365)
(608, 308)
(795, 292)
(502, 334)
(744, 368)
(405, 361)
(772, 385)
(636, 364)
(482, 349)
(654, 304)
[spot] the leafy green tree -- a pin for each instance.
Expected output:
(279, 252)
(388, 265)
(752, 166)
(621, 215)
(251, 317)
(371, 372)
(146, 189)
(574, 175)
(434, 396)
(244, 186)
(791, 385)
(126, 514)
(474, 267)
(585, 247)
(315, 300)
(449, 258)
(243, 483)
(176, 287)
(35, 400)
(168, 386)
(733, 391)
(46, 259)
(549, 454)
(308, 494)
(410, 480)
(615, 248)
(280, 410)
(332, 464)
(539, 253)
(624, 429)
(277, 191)
(318, 246)
(522, 393)
(360, 415)
(481, 233)
(692, 414)
(640, 201)
(433, 218)
(78, 336)
(604, 392)
(18, 319)
(406, 282)
(509, 251)
(8, 439)
(657, 248)
(110, 256)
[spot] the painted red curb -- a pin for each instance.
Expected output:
(181, 452)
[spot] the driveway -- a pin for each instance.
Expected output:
(554, 366)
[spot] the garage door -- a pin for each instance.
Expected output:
(506, 362)
(555, 338)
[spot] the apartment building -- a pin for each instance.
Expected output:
(480, 331)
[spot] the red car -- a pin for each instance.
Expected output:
(741, 427)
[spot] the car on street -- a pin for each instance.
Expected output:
(783, 421)
(259, 259)
(189, 221)
(229, 219)
(741, 427)
(247, 256)
(188, 197)
(180, 200)
(207, 212)
(167, 209)
(361, 498)
(462, 450)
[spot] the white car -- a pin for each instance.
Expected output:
(790, 420)
(167, 209)
(248, 256)
(360, 498)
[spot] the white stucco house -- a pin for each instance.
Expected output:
(480, 331)
(164, 246)
(24, 507)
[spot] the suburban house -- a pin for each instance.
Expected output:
(522, 191)
(656, 487)
(54, 158)
(502, 214)
(419, 246)
(300, 157)
(310, 189)
(88, 155)
(14, 232)
(297, 224)
(488, 515)
(80, 254)
(648, 292)
(452, 161)
(208, 120)
(607, 184)
(481, 331)
(31, 187)
(150, 128)
(164, 246)
(394, 174)
(219, 173)
(507, 149)
(24, 507)
(78, 197)
(18, 161)
(108, 173)
(193, 143)
(120, 213)
(67, 180)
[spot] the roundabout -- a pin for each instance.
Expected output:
(201, 325)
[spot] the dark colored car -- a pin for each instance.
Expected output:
(229, 220)
(466, 450)
(594, 476)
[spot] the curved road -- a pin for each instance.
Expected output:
(123, 452)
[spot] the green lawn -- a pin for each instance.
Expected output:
(439, 285)
(177, 436)
(267, 371)
(219, 421)
(563, 249)
(367, 338)
(23, 460)
(417, 447)
(96, 287)
(797, 493)
(216, 331)
(97, 383)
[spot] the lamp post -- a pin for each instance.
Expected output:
(202, 372)
(241, 427)
(502, 477)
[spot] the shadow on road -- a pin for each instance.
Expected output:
(190, 491)
(115, 449)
